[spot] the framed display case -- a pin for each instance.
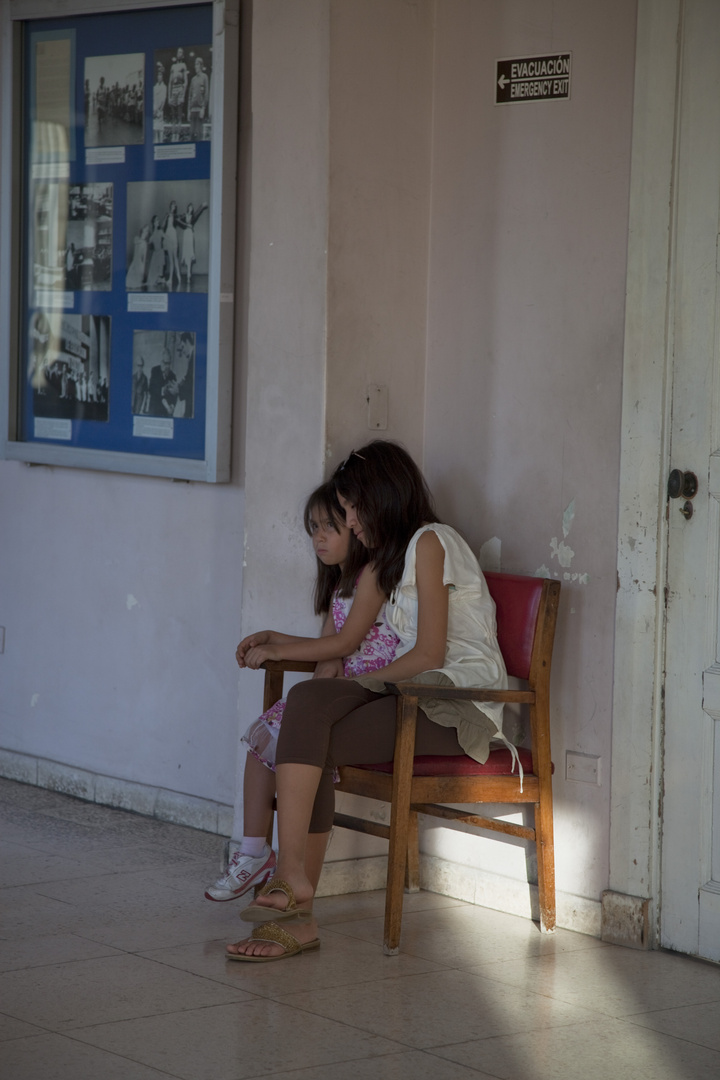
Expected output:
(117, 237)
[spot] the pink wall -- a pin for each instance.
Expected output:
(526, 319)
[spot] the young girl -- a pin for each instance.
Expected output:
(441, 610)
(156, 267)
(187, 223)
(170, 242)
(346, 593)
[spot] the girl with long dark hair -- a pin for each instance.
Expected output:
(441, 610)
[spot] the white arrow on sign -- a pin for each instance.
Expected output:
(502, 81)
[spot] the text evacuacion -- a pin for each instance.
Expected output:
(536, 69)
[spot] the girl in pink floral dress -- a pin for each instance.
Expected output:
(376, 651)
(346, 593)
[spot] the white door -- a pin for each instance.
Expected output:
(690, 874)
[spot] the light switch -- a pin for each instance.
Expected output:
(377, 402)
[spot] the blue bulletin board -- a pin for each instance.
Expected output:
(121, 310)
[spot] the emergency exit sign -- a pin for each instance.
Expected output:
(532, 78)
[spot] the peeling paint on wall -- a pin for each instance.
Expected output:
(34, 700)
(568, 518)
(131, 602)
(543, 571)
(561, 552)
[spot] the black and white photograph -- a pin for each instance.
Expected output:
(181, 94)
(69, 365)
(88, 250)
(168, 236)
(73, 236)
(115, 100)
(163, 382)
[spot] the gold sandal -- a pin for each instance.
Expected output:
(258, 913)
(272, 932)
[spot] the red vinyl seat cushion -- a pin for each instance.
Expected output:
(499, 763)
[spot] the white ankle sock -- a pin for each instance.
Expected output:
(253, 846)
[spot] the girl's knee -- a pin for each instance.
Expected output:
(331, 697)
(299, 694)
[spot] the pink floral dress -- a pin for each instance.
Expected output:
(376, 651)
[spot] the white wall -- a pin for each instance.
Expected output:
(520, 359)
(398, 228)
(529, 236)
(120, 597)
(287, 283)
(380, 178)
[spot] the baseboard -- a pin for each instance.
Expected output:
(475, 886)
(353, 875)
(162, 803)
(626, 920)
(490, 890)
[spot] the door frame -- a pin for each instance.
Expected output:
(638, 719)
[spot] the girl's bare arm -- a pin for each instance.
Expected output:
(269, 645)
(274, 637)
(428, 652)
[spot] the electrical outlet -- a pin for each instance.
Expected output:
(584, 768)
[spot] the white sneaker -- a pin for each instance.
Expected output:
(243, 873)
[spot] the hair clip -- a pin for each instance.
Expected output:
(353, 453)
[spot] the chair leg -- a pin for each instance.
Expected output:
(273, 688)
(397, 859)
(546, 868)
(399, 822)
(412, 866)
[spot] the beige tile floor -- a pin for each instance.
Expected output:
(112, 969)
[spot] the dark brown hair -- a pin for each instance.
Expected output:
(392, 500)
(332, 578)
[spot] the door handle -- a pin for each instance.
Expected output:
(683, 485)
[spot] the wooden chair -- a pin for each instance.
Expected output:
(526, 618)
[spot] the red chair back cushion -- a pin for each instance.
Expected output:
(517, 600)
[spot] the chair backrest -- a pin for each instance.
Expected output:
(517, 599)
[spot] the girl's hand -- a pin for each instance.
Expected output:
(256, 656)
(261, 638)
(258, 653)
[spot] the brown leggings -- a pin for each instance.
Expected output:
(329, 722)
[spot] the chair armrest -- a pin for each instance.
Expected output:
(288, 665)
(275, 675)
(459, 693)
